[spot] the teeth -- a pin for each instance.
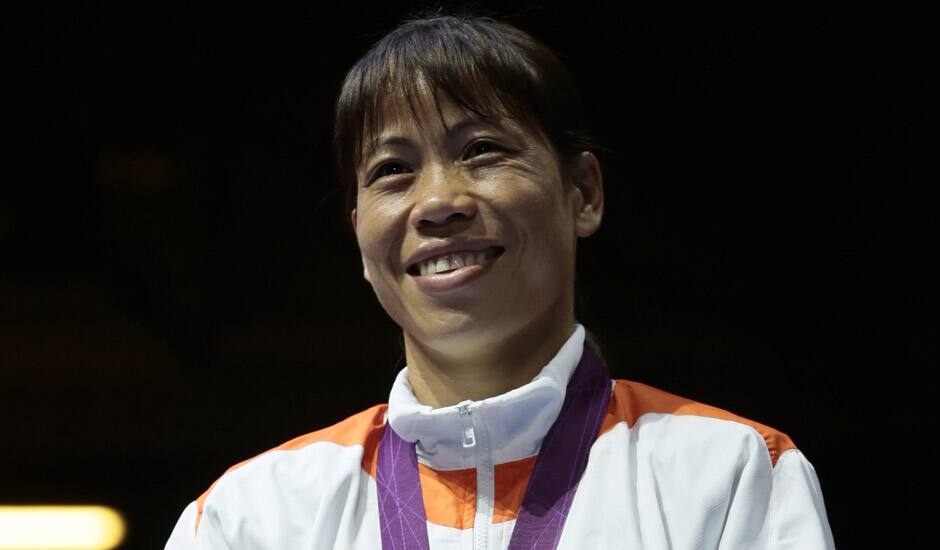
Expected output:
(448, 262)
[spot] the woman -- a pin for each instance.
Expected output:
(462, 144)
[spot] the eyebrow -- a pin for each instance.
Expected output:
(452, 131)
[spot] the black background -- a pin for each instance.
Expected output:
(180, 290)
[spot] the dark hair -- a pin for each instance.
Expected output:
(487, 67)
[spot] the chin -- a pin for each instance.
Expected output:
(455, 332)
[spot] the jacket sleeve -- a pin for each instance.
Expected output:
(183, 536)
(186, 536)
(783, 509)
(797, 515)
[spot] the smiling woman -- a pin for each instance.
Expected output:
(471, 180)
(490, 191)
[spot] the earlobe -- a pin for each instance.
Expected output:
(590, 185)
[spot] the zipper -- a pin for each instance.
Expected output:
(466, 418)
(477, 438)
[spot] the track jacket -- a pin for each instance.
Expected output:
(664, 473)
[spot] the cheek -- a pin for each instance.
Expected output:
(376, 232)
(541, 216)
(548, 229)
(375, 245)
(380, 238)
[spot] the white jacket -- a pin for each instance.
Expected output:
(664, 473)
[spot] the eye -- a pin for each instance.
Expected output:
(478, 148)
(388, 169)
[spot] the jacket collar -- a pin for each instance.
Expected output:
(512, 424)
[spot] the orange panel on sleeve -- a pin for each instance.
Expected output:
(631, 400)
(364, 428)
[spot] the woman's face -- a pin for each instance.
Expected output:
(466, 229)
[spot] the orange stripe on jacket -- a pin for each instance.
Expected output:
(364, 428)
(631, 400)
(450, 496)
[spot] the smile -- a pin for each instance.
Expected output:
(452, 271)
(452, 261)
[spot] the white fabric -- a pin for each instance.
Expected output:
(668, 482)
(516, 421)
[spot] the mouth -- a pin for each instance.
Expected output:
(446, 263)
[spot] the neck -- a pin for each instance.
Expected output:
(440, 379)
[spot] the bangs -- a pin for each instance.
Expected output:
(491, 70)
(412, 82)
(487, 68)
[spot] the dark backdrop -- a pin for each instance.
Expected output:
(180, 290)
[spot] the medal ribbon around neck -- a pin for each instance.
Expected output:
(558, 468)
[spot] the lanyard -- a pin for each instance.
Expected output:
(555, 476)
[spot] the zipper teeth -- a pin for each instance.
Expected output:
(479, 440)
(483, 516)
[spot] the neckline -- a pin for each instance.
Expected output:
(550, 491)
(516, 421)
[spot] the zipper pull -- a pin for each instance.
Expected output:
(469, 436)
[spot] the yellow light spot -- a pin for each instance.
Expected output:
(60, 527)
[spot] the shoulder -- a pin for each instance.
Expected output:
(682, 421)
(321, 459)
(361, 430)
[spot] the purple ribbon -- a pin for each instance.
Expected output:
(555, 476)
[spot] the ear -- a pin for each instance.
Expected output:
(355, 224)
(589, 194)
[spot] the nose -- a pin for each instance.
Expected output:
(442, 202)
